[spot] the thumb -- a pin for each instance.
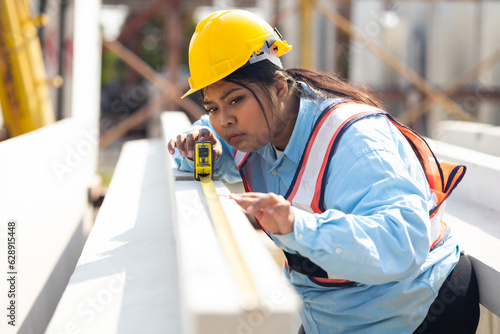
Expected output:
(208, 135)
(204, 134)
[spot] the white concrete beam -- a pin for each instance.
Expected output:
(126, 278)
(210, 297)
(44, 178)
(480, 137)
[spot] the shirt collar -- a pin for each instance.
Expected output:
(308, 111)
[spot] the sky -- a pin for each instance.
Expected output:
(112, 18)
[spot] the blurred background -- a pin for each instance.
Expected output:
(426, 60)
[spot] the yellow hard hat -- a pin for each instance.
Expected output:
(225, 41)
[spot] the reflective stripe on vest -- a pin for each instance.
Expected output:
(307, 189)
(240, 158)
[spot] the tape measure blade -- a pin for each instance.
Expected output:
(229, 246)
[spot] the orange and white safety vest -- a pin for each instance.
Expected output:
(307, 189)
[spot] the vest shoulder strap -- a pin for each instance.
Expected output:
(443, 176)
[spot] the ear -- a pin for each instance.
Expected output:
(281, 86)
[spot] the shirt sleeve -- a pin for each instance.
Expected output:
(376, 227)
(224, 166)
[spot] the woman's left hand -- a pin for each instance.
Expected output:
(273, 211)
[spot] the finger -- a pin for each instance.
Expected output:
(191, 138)
(217, 152)
(242, 201)
(247, 200)
(180, 143)
(265, 203)
(171, 146)
(254, 195)
(247, 197)
(217, 148)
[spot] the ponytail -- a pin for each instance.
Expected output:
(332, 86)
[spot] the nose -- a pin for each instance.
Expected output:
(227, 118)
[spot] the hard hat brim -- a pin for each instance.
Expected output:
(189, 92)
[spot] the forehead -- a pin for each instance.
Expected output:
(218, 89)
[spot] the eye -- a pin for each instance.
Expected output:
(210, 110)
(235, 100)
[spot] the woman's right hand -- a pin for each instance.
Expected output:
(185, 142)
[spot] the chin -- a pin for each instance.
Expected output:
(247, 148)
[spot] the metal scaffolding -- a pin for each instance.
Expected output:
(337, 13)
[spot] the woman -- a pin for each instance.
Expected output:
(352, 197)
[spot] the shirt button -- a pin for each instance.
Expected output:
(275, 172)
(300, 236)
(338, 250)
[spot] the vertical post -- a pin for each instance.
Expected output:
(343, 43)
(434, 115)
(173, 35)
(305, 33)
(60, 71)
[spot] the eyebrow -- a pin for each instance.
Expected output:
(223, 96)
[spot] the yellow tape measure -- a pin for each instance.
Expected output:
(228, 243)
(203, 159)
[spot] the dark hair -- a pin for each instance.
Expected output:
(325, 85)
(330, 85)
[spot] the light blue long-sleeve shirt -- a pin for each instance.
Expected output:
(374, 231)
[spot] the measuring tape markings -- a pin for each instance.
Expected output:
(229, 246)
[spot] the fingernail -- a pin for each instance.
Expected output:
(191, 153)
(183, 153)
(251, 208)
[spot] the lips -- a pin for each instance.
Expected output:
(234, 137)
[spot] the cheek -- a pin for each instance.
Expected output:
(262, 134)
(256, 123)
